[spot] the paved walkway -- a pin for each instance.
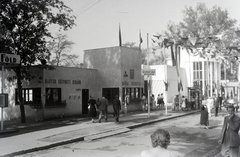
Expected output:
(34, 136)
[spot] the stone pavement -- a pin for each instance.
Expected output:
(34, 136)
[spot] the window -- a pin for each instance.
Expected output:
(131, 73)
(197, 73)
(53, 97)
(134, 93)
(31, 96)
(110, 93)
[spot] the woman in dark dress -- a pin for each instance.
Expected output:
(92, 108)
(204, 117)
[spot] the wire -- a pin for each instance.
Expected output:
(82, 9)
(84, 6)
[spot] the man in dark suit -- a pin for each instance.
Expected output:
(216, 104)
(116, 108)
(229, 138)
(220, 101)
(103, 103)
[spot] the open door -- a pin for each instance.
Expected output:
(85, 97)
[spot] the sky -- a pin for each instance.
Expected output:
(97, 21)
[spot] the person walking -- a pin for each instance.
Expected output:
(103, 104)
(209, 104)
(92, 108)
(215, 104)
(144, 100)
(173, 103)
(204, 117)
(229, 138)
(158, 101)
(151, 101)
(220, 101)
(126, 103)
(235, 98)
(161, 101)
(116, 108)
(183, 106)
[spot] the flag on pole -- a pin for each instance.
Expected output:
(141, 40)
(166, 85)
(177, 64)
(180, 86)
(120, 36)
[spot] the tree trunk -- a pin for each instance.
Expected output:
(19, 85)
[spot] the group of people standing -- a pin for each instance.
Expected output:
(153, 103)
(179, 103)
(101, 106)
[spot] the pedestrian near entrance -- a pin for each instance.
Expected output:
(235, 98)
(92, 108)
(116, 108)
(209, 104)
(183, 106)
(229, 138)
(220, 101)
(160, 101)
(204, 117)
(126, 103)
(160, 140)
(152, 101)
(216, 104)
(103, 103)
(144, 100)
(173, 103)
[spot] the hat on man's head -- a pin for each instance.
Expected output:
(230, 103)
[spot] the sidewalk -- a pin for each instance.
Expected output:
(36, 136)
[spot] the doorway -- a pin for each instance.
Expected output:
(85, 97)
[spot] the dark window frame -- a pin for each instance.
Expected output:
(29, 98)
(51, 95)
(110, 93)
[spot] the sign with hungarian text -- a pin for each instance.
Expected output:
(9, 58)
(149, 72)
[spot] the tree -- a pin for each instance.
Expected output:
(154, 59)
(60, 48)
(24, 26)
(211, 27)
(130, 44)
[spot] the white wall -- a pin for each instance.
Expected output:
(168, 74)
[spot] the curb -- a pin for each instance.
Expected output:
(97, 136)
(159, 120)
(44, 147)
(8, 131)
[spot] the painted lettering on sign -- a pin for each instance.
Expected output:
(9, 58)
(136, 83)
(60, 81)
(53, 81)
(149, 72)
(76, 81)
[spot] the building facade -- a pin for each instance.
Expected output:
(119, 71)
(108, 72)
(65, 91)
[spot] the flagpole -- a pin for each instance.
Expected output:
(165, 72)
(140, 38)
(148, 78)
(120, 36)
